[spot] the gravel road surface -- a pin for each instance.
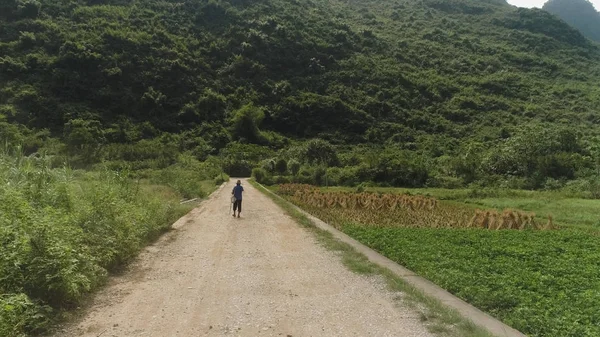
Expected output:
(260, 275)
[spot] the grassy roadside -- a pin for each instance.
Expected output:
(438, 318)
(63, 232)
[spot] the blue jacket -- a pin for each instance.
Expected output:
(237, 192)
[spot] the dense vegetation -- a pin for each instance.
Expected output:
(62, 231)
(541, 282)
(436, 93)
(580, 14)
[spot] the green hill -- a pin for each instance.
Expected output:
(445, 91)
(581, 14)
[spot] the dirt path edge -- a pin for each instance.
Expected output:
(197, 209)
(430, 289)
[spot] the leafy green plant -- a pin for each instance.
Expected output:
(518, 277)
(19, 316)
(63, 231)
(260, 175)
(246, 122)
(294, 166)
(281, 166)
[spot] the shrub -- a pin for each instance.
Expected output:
(246, 122)
(143, 154)
(221, 178)
(333, 175)
(584, 188)
(348, 177)
(62, 232)
(319, 151)
(281, 166)
(20, 315)
(185, 181)
(294, 166)
(281, 180)
(552, 184)
(443, 181)
(319, 176)
(305, 176)
(84, 137)
(268, 165)
(259, 174)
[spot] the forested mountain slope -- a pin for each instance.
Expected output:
(431, 78)
(581, 14)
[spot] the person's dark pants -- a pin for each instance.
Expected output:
(237, 205)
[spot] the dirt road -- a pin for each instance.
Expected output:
(260, 275)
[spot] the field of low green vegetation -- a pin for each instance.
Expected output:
(542, 281)
(63, 231)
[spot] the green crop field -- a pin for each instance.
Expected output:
(542, 282)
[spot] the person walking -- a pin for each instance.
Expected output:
(237, 195)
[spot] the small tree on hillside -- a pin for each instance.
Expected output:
(84, 137)
(246, 122)
(281, 166)
(268, 165)
(294, 167)
(319, 151)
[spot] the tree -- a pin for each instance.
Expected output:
(309, 114)
(29, 8)
(7, 8)
(319, 151)
(210, 107)
(294, 166)
(259, 174)
(246, 122)
(84, 137)
(319, 175)
(281, 166)
(268, 165)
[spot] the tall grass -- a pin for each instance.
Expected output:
(61, 232)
